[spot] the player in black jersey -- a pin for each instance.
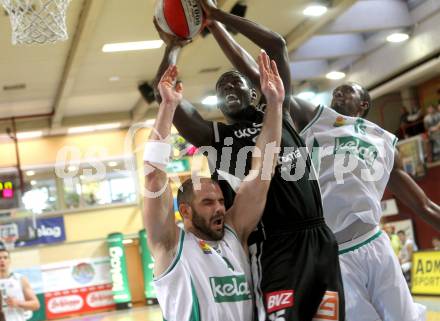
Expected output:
(294, 254)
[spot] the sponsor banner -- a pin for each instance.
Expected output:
(279, 300)
(49, 230)
(76, 274)
(425, 273)
(78, 301)
(356, 147)
(232, 288)
(329, 307)
(147, 266)
(21, 228)
(118, 270)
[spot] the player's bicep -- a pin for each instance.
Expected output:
(302, 112)
(28, 292)
(191, 125)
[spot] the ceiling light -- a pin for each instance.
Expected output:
(78, 130)
(398, 37)
(30, 173)
(114, 78)
(130, 46)
(210, 101)
(27, 135)
(315, 10)
(335, 75)
(306, 95)
(33, 182)
(108, 126)
(112, 164)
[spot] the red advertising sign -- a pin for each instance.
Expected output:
(78, 301)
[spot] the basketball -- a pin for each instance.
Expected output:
(182, 18)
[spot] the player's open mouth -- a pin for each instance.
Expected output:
(232, 99)
(218, 222)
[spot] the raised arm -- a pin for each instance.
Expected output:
(410, 194)
(251, 196)
(187, 120)
(270, 41)
(301, 111)
(162, 232)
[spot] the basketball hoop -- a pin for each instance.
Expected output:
(9, 235)
(9, 242)
(37, 21)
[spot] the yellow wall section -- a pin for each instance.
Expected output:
(97, 224)
(57, 253)
(45, 150)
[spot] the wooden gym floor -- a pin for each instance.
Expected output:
(153, 313)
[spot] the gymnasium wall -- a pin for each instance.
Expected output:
(429, 92)
(44, 150)
(386, 112)
(86, 229)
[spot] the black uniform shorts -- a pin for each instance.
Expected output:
(296, 274)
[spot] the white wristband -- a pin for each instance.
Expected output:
(157, 152)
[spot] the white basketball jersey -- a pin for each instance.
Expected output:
(207, 281)
(11, 287)
(353, 158)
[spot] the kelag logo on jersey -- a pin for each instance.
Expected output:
(356, 147)
(230, 288)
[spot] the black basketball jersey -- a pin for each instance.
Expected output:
(294, 194)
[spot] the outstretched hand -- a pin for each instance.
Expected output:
(168, 38)
(271, 84)
(170, 90)
(208, 6)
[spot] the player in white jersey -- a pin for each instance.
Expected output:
(16, 292)
(202, 271)
(355, 160)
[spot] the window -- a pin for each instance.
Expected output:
(40, 192)
(117, 185)
(45, 192)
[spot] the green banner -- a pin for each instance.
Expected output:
(147, 266)
(40, 314)
(118, 268)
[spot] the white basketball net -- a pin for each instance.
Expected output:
(8, 235)
(37, 21)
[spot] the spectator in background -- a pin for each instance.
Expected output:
(394, 239)
(432, 126)
(436, 243)
(406, 253)
(432, 119)
(16, 292)
(411, 122)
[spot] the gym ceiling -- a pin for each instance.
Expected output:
(74, 83)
